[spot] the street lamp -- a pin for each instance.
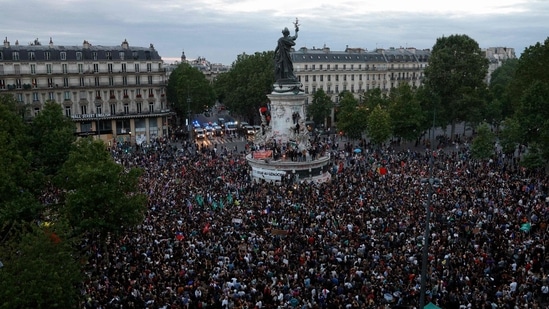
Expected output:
(189, 126)
(425, 256)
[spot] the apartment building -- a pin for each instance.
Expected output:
(358, 70)
(114, 93)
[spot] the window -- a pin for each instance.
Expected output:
(82, 95)
(135, 55)
(18, 83)
(321, 78)
(1, 55)
(35, 96)
(125, 92)
(83, 109)
(48, 68)
(138, 80)
(337, 78)
(68, 111)
(151, 93)
(306, 78)
(96, 81)
(67, 95)
(78, 56)
(109, 67)
(149, 80)
(1, 69)
(36, 111)
(31, 56)
(123, 67)
(337, 89)
(151, 107)
(138, 92)
(138, 106)
(126, 108)
(113, 109)
(111, 94)
(33, 68)
(82, 82)
(108, 55)
(15, 56)
(50, 82)
(314, 66)
(63, 55)
(98, 94)
(95, 67)
(149, 67)
(17, 69)
(19, 97)
(80, 68)
(34, 83)
(98, 109)
(121, 55)
(137, 67)
(328, 66)
(111, 81)
(2, 84)
(320, 65)
(47, 55)
(124, 80)
(329, 78)
(65, 68)
(314, 78)
(51, 96)
(94, 55)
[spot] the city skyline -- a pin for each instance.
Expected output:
(220, 30)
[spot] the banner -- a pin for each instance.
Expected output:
(262, 154)
(267, 174)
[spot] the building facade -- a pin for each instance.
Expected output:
(114, 93)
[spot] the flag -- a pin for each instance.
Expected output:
(526, 227)
(382, 171)
(179, 236)
(200, 200)
(229, 198)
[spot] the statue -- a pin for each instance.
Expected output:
(284, 68)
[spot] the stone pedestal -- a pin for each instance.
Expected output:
(286, 129)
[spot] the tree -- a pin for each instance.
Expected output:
(456, 74)
(40, 269)
(352, 117)
(407, 116)
(532, 66)
(482, 147)
(100, 196)
(19, 184)
(244, 88)
(52, 135)
(188, 86)
(499, 105)
(320, 108)
(379, 125)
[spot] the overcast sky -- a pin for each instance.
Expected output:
(220, 30)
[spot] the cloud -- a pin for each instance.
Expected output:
(219, 30)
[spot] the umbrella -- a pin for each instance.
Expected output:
(357, 150)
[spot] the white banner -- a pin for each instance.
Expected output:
(267, 174)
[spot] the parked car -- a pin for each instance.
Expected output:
(249, 130)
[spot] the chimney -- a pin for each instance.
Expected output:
(51, 42)
(86, 44)
(125, 44)
(6, 43)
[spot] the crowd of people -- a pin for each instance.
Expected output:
(215, 238)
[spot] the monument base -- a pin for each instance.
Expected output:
(287, 171)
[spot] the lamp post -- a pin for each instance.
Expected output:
(425, 255)
(189, 126)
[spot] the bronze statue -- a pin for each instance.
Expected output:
(284, 68)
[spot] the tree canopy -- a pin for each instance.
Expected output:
(245, 87)
(100, 196)
(188, 86)
(320, 108)
(456, 75)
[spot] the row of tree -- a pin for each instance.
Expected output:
(453, 90)
(55, 191)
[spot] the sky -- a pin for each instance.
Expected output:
(220, 30)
